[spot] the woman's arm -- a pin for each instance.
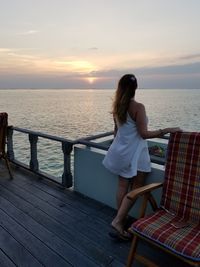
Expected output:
(141, 122)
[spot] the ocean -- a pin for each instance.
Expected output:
(79, 113)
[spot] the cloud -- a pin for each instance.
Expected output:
(173, 69)
(5, 50)
(42, 81)
(189, 68)
(93, 48)
(29, 32)
(19, 52)
(170, 76)
(191, 57)
(75, 65)
(73, 73)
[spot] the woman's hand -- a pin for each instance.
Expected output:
(171, 130)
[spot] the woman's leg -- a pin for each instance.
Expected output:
(123, 188)
(126, 203)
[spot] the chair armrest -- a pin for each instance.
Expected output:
(142, 190)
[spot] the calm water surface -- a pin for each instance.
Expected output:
(78, 113)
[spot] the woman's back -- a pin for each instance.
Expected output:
(126, 149)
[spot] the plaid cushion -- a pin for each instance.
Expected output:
(181, 190)
(163, 228)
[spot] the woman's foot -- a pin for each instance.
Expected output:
(120, 236)
(118, 232)
(118, 226)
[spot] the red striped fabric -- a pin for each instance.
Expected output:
(176, 225)
(181, 191)
(163, 228)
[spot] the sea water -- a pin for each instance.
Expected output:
(77, 113)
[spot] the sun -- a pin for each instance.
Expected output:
(91, 80)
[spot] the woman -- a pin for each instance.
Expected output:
(128, 156)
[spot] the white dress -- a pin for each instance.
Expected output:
(129, 152)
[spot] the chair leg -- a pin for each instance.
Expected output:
(8, 167)
(132, 251)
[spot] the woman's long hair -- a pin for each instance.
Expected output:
(125, 91)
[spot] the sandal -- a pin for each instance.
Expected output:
(116, 234)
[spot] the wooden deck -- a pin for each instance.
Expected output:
(43, 225)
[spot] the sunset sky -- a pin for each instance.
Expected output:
(91, 43)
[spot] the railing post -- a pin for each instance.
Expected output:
(67, 175)
(34, 166)
(10, 151)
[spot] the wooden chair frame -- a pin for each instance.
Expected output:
(3, 136)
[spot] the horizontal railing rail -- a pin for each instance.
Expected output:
(43, 135)
(105, 146)
(97, 136)
(93, 144)
(88, 141)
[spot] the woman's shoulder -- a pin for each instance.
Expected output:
(135, 108)
(136, 105)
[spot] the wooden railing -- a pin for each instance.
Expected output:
(67, 148)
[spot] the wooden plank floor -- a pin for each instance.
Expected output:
(43, 225)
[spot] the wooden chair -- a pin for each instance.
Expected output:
(3, 133)
(175, 226)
